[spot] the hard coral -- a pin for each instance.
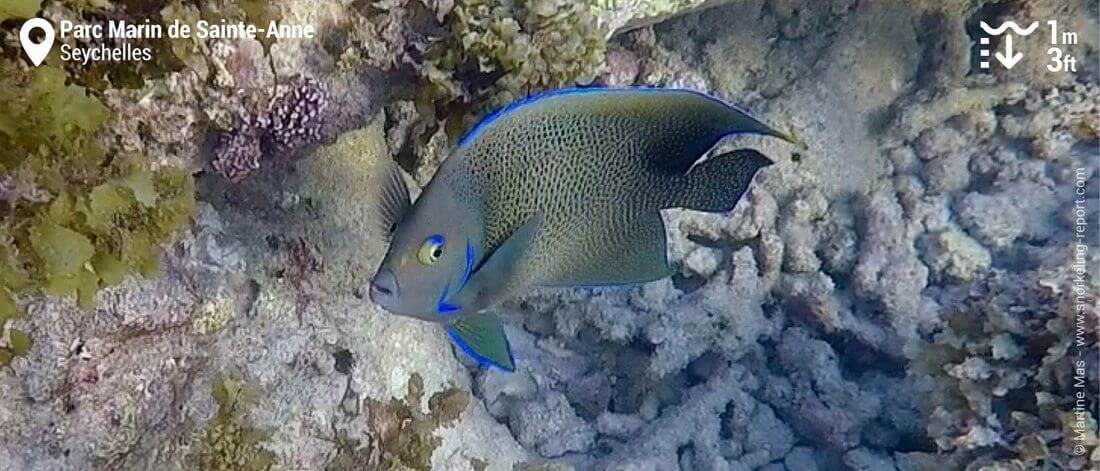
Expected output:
(292, 123)
(1014, 379)
(238, 152)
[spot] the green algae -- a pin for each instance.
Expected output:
(19, 9)
(401, 436)
(499, 50)
(75, 218)
(227, 443)
(19, 343)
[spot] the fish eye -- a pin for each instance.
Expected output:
(430, 250)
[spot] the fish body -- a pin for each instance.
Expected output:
(563, 189)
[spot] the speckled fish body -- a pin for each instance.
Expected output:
(560, 190)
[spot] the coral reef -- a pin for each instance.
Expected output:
(473, 55)
(840, 293)
(309, 274)
(1007, 382)
(106, 387)
(910, 292)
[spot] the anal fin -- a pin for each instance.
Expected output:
(482, 337)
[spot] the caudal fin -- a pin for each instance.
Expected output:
(717, 184)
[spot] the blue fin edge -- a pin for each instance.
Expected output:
(478, 358)
(492, 116)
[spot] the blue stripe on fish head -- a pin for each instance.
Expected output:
(469, 265)
(443, 305)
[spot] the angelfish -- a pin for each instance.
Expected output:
(561, 189)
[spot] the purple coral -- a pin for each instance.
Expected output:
(238, 152)
(293, 122)
(295, 117)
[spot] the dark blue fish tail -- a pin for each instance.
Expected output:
(717, 184)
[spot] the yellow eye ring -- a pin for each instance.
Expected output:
(430, 250)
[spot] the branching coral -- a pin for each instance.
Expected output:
(76, 218)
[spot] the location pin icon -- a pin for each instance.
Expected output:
(37, 52)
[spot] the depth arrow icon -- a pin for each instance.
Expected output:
(1008, 59)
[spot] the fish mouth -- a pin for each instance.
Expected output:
(384, 289)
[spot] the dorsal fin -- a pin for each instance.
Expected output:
(391, 195)
(740, 121)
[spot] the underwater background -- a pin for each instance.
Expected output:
(186, 243)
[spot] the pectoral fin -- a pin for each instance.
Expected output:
(496, 278)
(482, 337)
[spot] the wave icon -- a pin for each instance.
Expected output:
(1009, 24)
